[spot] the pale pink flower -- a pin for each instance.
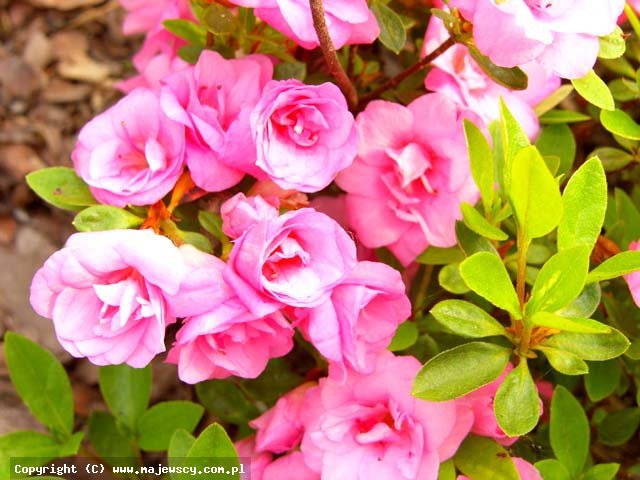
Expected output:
(151, 75)
(239, 213)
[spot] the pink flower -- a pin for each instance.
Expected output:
(349, 21)
(213, 101)
(633, 279)
(239, 213)
(458, 76)
(106, 293)
(295, 260)
(304, 134)
(524, 468)
(410, 176)
(220, 337)
(132, 153)
(371, 426)
(265, 467)
(360, 318)
(151, 75)
(560, 35)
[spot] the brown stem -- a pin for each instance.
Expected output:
(330, 55)
(395, 81)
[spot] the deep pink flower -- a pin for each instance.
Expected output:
(304, 134)
(360, 318)
(559, 35)
(294, 260)
(265, 467)
(371, 427)
(239, 213)
(132, 153)
(213, 101)
(349, 21)
(106, 293)
(633, 279)
(458, 76)
(410, 176)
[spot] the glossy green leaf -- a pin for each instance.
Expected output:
(620, 123)
(586, 303)
(612, 45)
(61, 187)
(481, 162)
(513, 140)
(556, 117)
(392, 31)
(550, 102)
(406, 335)
(516, 404)
(534, 194)
(578, 325)
(569, 431)
(590, 346)
(552, 469)
(105, 217)
(126, 391)
(482, 458)
(602, 380)
(485, 274)
(476, 222)
(470, 242)
(450, 279)
(621, 264)
(594, 90)
(455, 372)
(41, 382)
(618, 427)
(558, 140)
(157, 425)
(564, 362)
(466, 319)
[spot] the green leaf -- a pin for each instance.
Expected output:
(126, 391)
(612, 45)
(466, 319)
(105, 217)
(590, 346)
(621, 264)
(447, 471)
(594, 90)
(578, 325)
(157, 425)
(552, 469)
(603, 471)
(187, 30)
(288, 70)
(406, 335)
(620, 123)
(483, 458)
(516, 404)
(512, 78)
(179, 446)
(470, 242)
(481, 161)
(476, 222)
(562, 92)
(226, 401)
(569, 430)
(555, 117)
(109, 442)
(613, 159)
(190, 53)
(61, 187)
(34, 449)
(558, 140)
(560, 280)
(219, 19)
(618, 427)
(212, 448)
(514, 139)
(564, 362)
(392, 32)
(41, 382)
(584, 205)
(534, 194)
(441, 256)
(454, 372)
(450, 279)
(602, 380)
(485, 274)
(586, 303)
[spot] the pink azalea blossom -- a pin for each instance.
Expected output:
(524, 468)
(265, 467)
(132, 153)
(633, 279)
(349, 21)
(294, 260)
(360, 318)
(239, 213)
(371, 427)
(559, 35)
(405, 188)
(458, 76)
(213, 101)
(106, 293)
(151, 75)
(304, 134)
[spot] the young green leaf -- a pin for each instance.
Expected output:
(476, 222)
(603, 471)
(558, 140)
(406, 335)
(179, 446)
(620, 123)
(554, 99)
(187, 30)
(621, 264)
(447, 471)
(212, 448)
(485, 274)
(602, 380)
(586, 303)
(534, 194)
(455, 372)
(552, 469)
(470, 242)
(612, 45)
(560, 280)
(109, 442)
(594, 90)
(555, 117)
(450, 279)
(41, 382)
(516, 404)
(514, 139)
(126, 391)
(568, 431)
(584, 205)
(157, 425)
(481, 161)
(480, 457)
(61, 187)
(105, 217)
(590, 346)
(441, 256)
(564, 362)
(392, 32)
(578, 325)
(613, 159)
(466, 319)
(618, 427)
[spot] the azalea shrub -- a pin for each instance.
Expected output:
(382, 240)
